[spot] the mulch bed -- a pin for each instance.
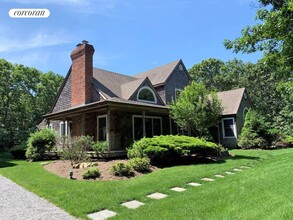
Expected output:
(62, 168)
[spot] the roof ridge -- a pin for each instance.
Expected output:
(175, 61)
(134, 78)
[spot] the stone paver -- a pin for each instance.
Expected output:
(208, 179)
(178, 189)
(245, 167)
(157, 195)
(134, 204)
(18, 204)
(237, 170)
(194, 184)
(102, 215)
(219, 176)
(229, 173)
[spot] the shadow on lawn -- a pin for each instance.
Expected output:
(191, 160)
(5, 158)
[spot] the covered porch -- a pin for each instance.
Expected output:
(118, 123)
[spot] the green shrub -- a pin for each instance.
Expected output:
(122, 169)
(39, 143)
(91, 173)
(256, 132)
(18, 151)
(171, 147)
(141, 164)
(289, 140)
(75, 149)
(101, 147)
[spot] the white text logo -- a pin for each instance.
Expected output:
(29, 13)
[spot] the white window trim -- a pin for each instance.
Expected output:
(234, 128)
(60, 128)
(140, 116)
(176, 92)
(147, 101)
(107, 135)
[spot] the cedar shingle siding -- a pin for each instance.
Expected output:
(64, 99)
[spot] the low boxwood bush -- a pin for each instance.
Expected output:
(171, 147)
(91, 173)
(141, 164)
(122, 169)
(39, 143)
(18, 151)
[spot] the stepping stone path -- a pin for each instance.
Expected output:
(157, 195)
(220, 176)
(237, 170)
(134, 204)
(208, 179)
(102, 215)
(194, 184)
(178, 189)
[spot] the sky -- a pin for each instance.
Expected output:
(129, 36)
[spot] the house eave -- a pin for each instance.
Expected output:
(104, 104)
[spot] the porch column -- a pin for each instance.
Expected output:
(108, 124)
(143, 124)
(83, 124)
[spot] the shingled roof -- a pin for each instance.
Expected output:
(231, 100)
(159, 75)
(113, 84)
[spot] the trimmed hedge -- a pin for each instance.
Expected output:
(18, 151)
(171, 147)
(39, 143)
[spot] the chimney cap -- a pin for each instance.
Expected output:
(84, 42)
(79, 44)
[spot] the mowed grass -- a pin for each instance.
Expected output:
(262, 192)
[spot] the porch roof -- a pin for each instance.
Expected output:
(114, 102)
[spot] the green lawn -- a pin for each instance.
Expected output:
(262, 192)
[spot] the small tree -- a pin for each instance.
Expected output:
(75, 149)
(255, 132)
(39, 143)
(196, 109)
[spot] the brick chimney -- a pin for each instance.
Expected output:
(82, 74)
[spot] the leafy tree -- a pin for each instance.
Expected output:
(260, 80)
(273, 34)
(196, 109)
(25, 95)
(284, 121)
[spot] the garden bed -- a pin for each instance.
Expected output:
(62, 168)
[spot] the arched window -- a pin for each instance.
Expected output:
(145, 94)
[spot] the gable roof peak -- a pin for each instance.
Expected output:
(160, 74)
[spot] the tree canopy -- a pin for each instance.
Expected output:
(25, 95)
(196, 109)
(273, 35)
